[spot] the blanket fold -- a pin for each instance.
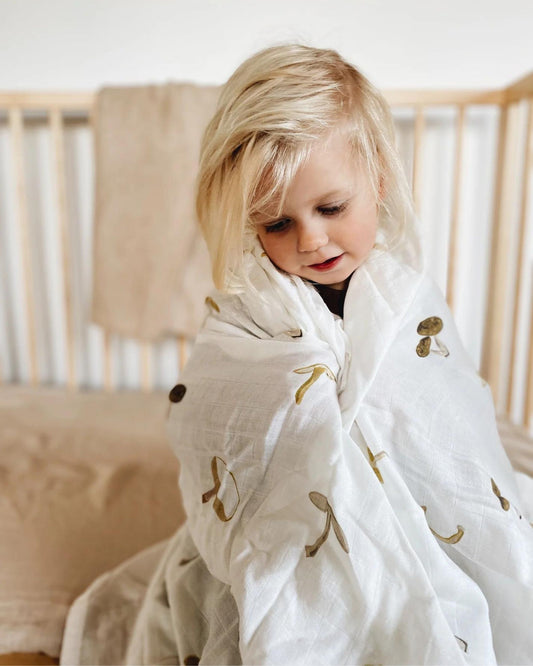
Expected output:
(151, 266)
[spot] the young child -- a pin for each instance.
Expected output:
(348, 497)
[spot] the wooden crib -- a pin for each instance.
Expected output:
(84, 410)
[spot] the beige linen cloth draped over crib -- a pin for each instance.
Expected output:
(151, 265)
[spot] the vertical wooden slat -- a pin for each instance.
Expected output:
(56, 125)
(182, 352)
(16, 126)
(108, 374)
(456, 194)
(146, 366)
(524, 200)
(528, 397)
(417, 156)
(493, 335)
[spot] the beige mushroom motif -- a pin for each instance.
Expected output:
(212, 304)
(316, 371)
(224, 491)
(321, 502)
(462, 644)
(295, 333)
(454, 538)
(429, 328)
(504, 502)
(191, 660)
(374, 460)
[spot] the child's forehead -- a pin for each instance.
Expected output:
(326, 168)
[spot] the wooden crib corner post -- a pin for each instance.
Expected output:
(493, 336)
(527, 166)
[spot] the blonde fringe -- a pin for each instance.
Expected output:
(272, 109)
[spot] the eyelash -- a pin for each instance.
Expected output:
(328, 211)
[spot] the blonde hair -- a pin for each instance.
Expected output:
(270, 111)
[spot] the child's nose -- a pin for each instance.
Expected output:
(311, 237)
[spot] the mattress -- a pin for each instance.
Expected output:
(86, 481)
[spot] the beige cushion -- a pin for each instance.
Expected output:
(86, 481)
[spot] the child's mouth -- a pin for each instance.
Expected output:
(326, 265)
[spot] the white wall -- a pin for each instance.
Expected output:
(83, 44)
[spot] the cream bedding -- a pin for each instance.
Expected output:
(86, 481)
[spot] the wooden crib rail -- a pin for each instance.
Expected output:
(514, 161)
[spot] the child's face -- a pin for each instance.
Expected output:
(329, 221)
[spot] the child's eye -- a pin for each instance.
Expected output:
(280, 225)
(331, 210)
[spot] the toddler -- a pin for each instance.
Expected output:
(348, 497)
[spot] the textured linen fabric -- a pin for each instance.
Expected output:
(151, 264)
(347, 494)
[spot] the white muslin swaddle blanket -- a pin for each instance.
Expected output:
(348, 497)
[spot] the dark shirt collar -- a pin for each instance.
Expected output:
(333, 298)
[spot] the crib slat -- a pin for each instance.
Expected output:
(456, 193)
(492, 338)
(16, 126)
(521, 89)
(108, 378)
(107, 351)
(444, 97)
(56, 125)
(76, 101)
(182, 352)
(526, 169)
(417, 156)
(146, 366)
(500, 255)
(66, 100)
(528, 398)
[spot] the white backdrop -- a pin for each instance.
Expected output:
(82, 44)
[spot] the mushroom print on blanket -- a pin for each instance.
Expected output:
(504, 502)
(321, 502)
(191, 660)
(373, 459)
(212, 304)
(316, 371)
(429, 328)
(462, 644)
(454, 538)
(224, 491)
